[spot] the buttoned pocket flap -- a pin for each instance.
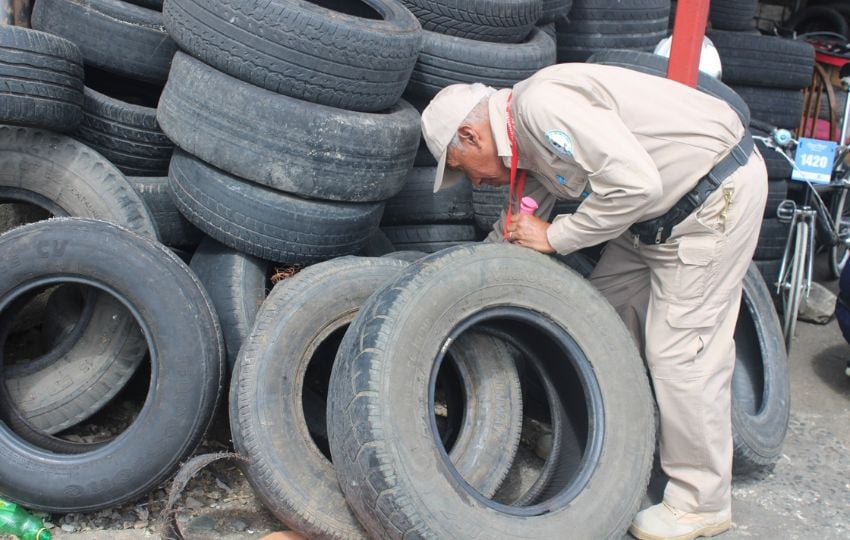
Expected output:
(697, 250)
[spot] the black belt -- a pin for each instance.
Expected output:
(657, 231)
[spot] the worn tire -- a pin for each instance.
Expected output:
(447, 60)
(139, 47)
(777, 191)
(42, 80)
(487, 205)
(778, 168)
(772, 239)
(503, 21)
(288, 356)
(757, 60)
(736, 15)
(769, 271)
(187, 356)
(237, 285)
(417, 202)
(263, 137)
(174, 229)
(357, 55)
(657, 65)
(779, 107)
(389, 464)
(430, 237)
(595, 25)
(126, 134)
(265, 223)
(761, 393)
(554, 10)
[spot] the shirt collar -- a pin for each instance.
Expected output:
(499, 123)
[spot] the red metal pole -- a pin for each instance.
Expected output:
(688, 31)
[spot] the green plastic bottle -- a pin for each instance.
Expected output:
(17, 521)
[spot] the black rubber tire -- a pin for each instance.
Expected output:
(778, 168)
(288, 355)
(596, 25)
(772, 239)
(290, 145)
(180, 324)
(237, 285)
(265, 223)
(777, 106)
(424, 158)
(417, 202)
(75, 379)
(67, 306)
(429, 238)
(378, 245)
(818, 19)
(42, 80)
(777, 191)
(353, 55)
(487, 205)
(66, 178)
(757, 60)
(554, 10)
(380, 399)
(138, 45)
(447, 60)
(502, 21)
(761, 393)
(150, 4)
(174, 229)
(657, 65)
(769, 271)
(126, 134)
(736, 15)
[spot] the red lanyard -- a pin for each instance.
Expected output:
(515, 190)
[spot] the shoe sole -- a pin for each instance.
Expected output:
(705, 532)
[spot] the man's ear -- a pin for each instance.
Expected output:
(469, 135)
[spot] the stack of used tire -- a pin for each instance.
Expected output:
(493, 42)
(769, 73)
(89, 299)
(291, 135)
(123, 83)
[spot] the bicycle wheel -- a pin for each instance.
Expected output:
(838, 252)
(792, 287)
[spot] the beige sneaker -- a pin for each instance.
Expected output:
(663, 522)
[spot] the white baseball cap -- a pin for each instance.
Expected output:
(441, 120)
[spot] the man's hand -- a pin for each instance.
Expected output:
(530, 232)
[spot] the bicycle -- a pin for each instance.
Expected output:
(795, 273)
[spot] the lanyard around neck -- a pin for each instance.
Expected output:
(516, 187)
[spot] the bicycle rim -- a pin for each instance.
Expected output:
(838, 253)
(793, 287)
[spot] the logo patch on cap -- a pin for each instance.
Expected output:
(560, 142)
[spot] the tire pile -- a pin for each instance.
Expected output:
(769, 73)
(217, 146)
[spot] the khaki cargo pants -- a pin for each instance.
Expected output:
(680, 299)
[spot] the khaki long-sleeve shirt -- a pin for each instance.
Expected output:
(629, 144)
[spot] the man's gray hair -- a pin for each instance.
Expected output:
(478, 114)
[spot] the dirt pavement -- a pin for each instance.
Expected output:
(806, 496)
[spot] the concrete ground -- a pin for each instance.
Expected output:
(806, 496)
